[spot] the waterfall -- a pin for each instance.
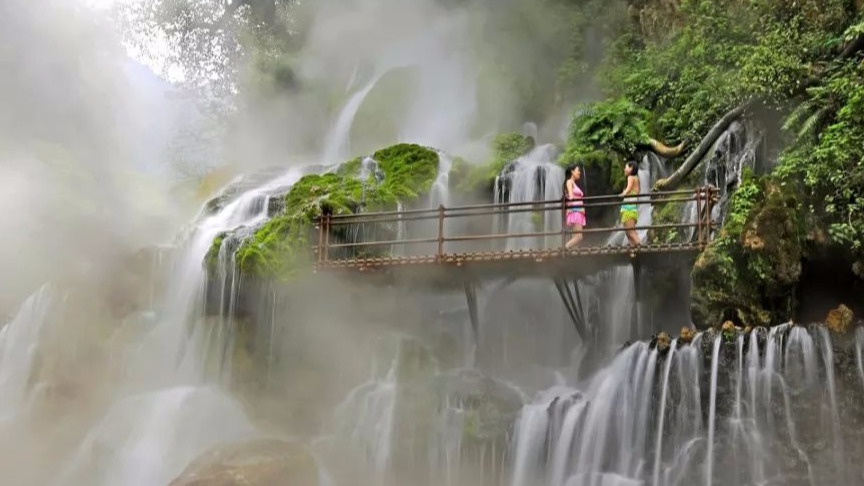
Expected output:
(370, 175)
(712, 414)
(859, 352)
(738, 419)
(19, 341)
(439, 193)
(588, 430)
(733, 151)
(337, 145)
(149, 439)
(664, 393)
(828, 356)
(169, 412)
(533, 177)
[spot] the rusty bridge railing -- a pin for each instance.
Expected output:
(429, 236)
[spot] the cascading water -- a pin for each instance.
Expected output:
(168, 414)
(859, 352)
(18, 346)
(725, 412)
(337, 146)
(533, 177)
(439, 193)
(735, 150)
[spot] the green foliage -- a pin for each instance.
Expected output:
(212, 257)
(409, 171)
(478, 178)
(749, 272)
(722, 53)
(602, 137)
(507, 147)
(667, 213)
(829, 163)
(617, 125)
(278, 247)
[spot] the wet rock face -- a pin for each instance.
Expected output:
(265, 462)
(750, 273)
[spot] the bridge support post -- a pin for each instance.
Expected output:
(573, 304)
(473, 314)
(637, 294)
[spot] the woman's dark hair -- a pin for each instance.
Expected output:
(568, 172)
(634, 168)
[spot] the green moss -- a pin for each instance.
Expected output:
(617, 125)
(211, 260)
(667, 213)
(280, 246)
(507, 147)
(749, 273)
(409, 171)
(350, 168)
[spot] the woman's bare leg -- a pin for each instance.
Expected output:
(632, 235)
(577, 237)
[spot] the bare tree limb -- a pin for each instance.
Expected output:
(853, 47)
(664, 150)
(693, 160)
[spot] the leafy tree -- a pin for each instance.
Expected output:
(204, 42)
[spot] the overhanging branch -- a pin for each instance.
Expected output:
(693, 160)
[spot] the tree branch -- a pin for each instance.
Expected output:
(664, 150)
(853, 47)
(693, 160)
(226, 15)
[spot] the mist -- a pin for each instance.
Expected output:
(82, 148)
(370, 73)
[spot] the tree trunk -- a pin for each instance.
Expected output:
(693, 160)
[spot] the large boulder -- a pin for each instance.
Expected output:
(262, 462)
(750, 273)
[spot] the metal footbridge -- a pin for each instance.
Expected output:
(460, 246)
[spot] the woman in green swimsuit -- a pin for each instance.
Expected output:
(630, 211)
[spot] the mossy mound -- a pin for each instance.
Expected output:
(749, 273)
(279, 246)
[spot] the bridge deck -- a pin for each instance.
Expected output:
(451, 269)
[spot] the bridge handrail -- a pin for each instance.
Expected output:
(704, 197)
(614, 198)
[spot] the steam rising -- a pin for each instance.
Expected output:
(444, 74)
(79, 149)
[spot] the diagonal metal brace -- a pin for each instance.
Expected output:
(471, 297)
(573, 305)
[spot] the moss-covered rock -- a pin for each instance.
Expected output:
(277, 248)
(749, 273)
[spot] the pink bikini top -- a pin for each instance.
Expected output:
(576, 200)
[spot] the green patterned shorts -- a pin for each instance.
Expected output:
(629, 212)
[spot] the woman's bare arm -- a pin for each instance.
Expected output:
(630, 181)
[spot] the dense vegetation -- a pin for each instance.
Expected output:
(679, 66)
(656, 69)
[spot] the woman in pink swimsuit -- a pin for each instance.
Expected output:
(575, 209)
